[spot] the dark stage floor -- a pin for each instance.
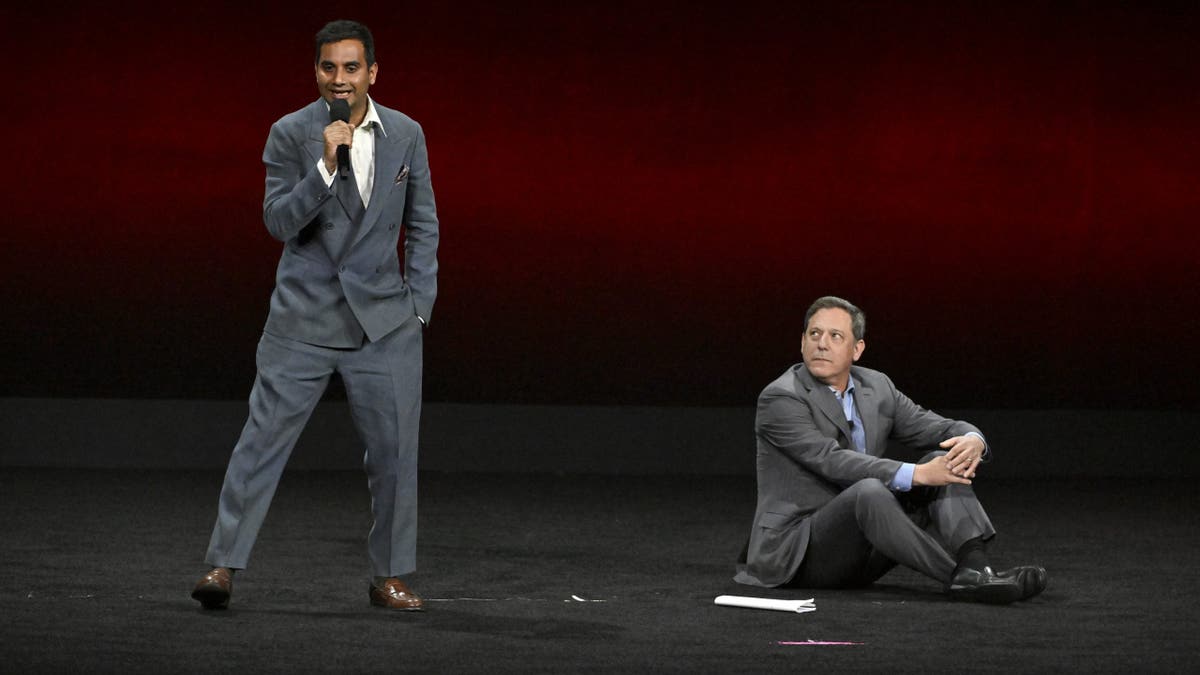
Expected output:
(528, 573)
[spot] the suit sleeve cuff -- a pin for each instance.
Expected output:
(324, 174)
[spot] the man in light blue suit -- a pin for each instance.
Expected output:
(343, 188)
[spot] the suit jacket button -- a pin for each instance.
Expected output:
(329, 226)
(343, 268)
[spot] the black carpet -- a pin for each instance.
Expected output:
(542, 573)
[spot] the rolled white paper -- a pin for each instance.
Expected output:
(797, 606)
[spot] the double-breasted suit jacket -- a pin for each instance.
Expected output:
(338, 279)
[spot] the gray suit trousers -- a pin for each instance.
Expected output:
(383, 385)
(867, 529)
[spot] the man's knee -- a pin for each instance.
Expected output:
(871, 492)
(874, 503)
(869, 486)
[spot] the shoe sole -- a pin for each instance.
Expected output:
(398, 609)
(990, 594)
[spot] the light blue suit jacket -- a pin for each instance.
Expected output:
(338, 280)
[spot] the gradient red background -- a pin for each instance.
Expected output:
(638, 200)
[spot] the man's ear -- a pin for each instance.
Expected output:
(859, 348)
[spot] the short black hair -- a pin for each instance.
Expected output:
(858, 320)
(343, 29)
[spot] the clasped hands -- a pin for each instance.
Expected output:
(963, 454)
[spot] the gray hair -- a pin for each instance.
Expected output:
(858, 320)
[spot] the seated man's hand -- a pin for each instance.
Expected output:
(963, 454)
(936, 472)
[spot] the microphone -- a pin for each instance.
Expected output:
(339, 111)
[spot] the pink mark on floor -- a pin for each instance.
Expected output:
(816, 643)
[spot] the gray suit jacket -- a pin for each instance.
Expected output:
(806, 457)
(337, 280)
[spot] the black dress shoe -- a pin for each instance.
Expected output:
(1031, 578)
(984, 585)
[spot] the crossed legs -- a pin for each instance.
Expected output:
(867, 529)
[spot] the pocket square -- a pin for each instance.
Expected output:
(402, 175)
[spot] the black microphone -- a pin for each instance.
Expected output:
(339, 111)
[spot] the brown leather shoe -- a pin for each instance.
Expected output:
(214, 589)
(395, 595)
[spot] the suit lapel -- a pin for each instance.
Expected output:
(827, 403)
(390, 150)
(317, 121)
(868, 410)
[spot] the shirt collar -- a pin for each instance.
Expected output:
(372, 117)
(849, 389)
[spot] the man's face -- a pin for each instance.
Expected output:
(342, 72)
(829, 347)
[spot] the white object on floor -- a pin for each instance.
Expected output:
(797, 606)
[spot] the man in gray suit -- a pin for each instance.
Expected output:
(345, 178)
(833, 512)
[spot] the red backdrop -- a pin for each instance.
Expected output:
(637, 202)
